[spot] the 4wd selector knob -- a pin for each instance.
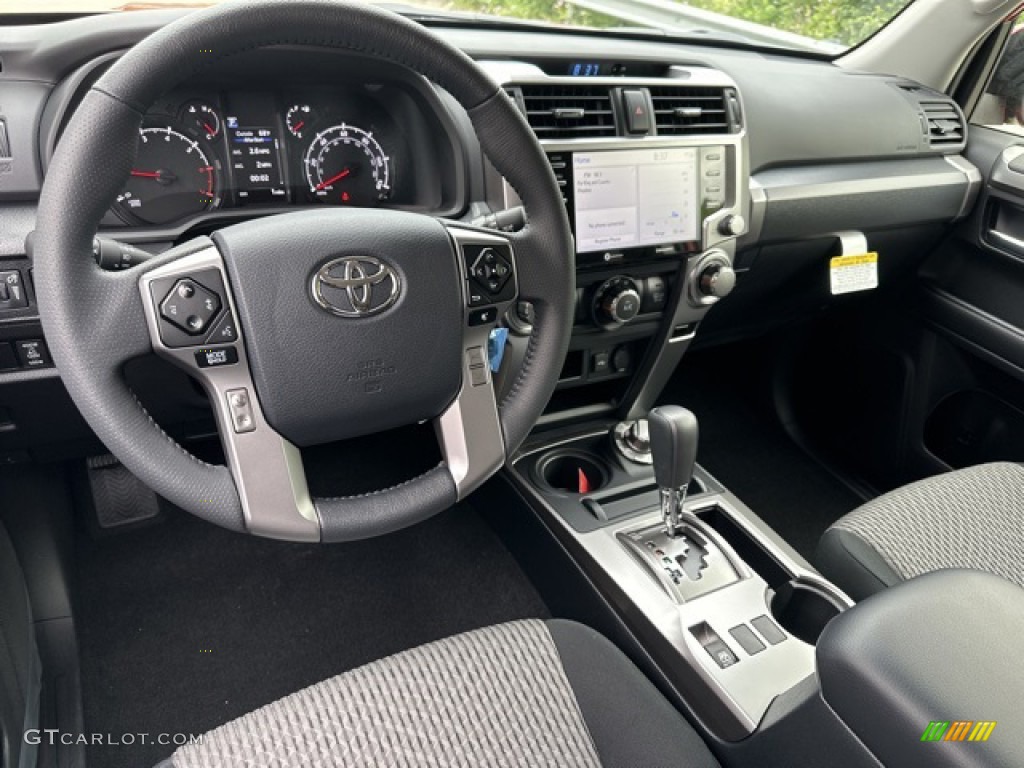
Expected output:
(616, 301)
(711, 278)
(717, 280)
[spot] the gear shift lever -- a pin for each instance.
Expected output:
(673, 434)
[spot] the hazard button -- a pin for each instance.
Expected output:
(635, 106)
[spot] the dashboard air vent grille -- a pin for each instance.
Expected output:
(681, 110)
(560, 166)
(568, 111)
(945, 125)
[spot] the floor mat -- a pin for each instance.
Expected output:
(184, 626)
(743, 444)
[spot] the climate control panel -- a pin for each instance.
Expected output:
(607, 301)
(616, 301)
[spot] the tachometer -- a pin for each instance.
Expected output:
(345, 165)
(172, 178)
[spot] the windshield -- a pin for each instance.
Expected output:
(823, 26)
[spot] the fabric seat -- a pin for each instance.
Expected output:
(527, 693)
(970, 518)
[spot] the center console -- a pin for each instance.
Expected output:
(654, 177)
(729, 612)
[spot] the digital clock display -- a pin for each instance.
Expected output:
(585, 69)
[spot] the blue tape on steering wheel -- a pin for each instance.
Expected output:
(496, 347)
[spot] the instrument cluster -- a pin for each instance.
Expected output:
(237, 148)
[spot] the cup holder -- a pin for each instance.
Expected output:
(571, 472)
(803, 609)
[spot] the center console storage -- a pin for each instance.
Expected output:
(914, 691)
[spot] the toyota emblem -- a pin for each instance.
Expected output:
(356, 286)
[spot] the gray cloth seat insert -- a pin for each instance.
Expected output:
(526, 693)
(969, 518)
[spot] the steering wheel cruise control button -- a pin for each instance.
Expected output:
(477, 362)
(190, 307)
(240, 408)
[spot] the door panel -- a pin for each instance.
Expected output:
(972, 300)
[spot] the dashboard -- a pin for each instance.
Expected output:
(711, 215)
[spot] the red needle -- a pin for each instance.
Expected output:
(297, 128)
(209, 129)
(333, 179)
(146, 174)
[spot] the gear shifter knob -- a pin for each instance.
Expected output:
(673, 434)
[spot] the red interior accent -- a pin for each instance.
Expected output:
(584, 481)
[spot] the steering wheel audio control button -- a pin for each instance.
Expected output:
(190, 307)
(214, 357)
(240, 409)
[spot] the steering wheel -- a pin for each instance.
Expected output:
(305, 327)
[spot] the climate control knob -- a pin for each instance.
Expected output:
(616, 302)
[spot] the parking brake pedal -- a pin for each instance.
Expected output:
(118, 497)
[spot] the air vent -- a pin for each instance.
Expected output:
(568, 111)
(560, 167)
(681, 110)
(945, 124)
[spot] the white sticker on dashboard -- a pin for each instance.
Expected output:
(848, 274)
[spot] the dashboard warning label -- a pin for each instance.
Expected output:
(848, 274)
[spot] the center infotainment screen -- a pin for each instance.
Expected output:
(635, 197)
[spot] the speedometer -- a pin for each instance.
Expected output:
(345, 165)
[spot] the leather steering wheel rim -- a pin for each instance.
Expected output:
(95, 321)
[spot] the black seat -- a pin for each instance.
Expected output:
(971, 518)
(527, 693)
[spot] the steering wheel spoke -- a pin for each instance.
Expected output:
(191, 316)
(469, 431)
